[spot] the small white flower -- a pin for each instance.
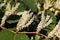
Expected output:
(29, 22)
(56, 12)
(47, 4)
(2, 4)
(52, 9)
(50, 21)
(32, 38)
(47, 18)
(58, 33)
(57, 4)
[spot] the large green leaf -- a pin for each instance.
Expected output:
(41, 1)
(37, 37)
(21, 37)
(30, 4)
(6, 35)
(22, 7)
(1, 0)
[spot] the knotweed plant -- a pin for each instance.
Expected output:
(33, 15)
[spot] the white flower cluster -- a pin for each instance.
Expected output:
(57, 4)
(47, 4)
(55, 31)
(44, 22)
(27, 17)
(9, 11)
(2, 4)
(58, 33)
(25, 20)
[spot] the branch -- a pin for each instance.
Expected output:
(6, 29)
(23, 32)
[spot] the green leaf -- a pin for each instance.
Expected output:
(21, 7)
(13, 19)
(37, 37)
(6, 35)
(21, 37)
(30, 4)
(51, 15)
(42, 38)
(12, 28)
(1, 0)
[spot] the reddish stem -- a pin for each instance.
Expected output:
(24, 32)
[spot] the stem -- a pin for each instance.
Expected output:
(6, 29)
(28, 32)
(44, 36)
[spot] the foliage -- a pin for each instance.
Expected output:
(11, 22)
